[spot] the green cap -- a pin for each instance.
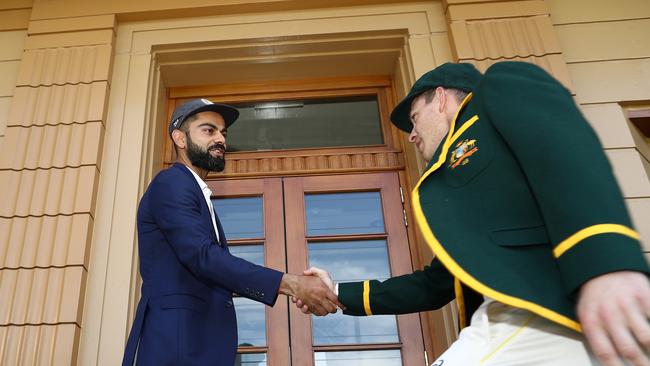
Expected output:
(461, 76)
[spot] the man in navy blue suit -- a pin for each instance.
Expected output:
(186, 314)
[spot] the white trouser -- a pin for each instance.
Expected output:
(501, 335)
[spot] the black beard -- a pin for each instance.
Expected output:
(202, 159)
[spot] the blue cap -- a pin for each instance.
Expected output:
(194, 106)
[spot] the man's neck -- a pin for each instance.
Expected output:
(185, 161)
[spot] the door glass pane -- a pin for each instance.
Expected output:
(297, 124)
(349, 261)
(250, 359)
(390, 357)
(250, 322)
(240, 217)
(344, 213)
(252, 253)
(251, 317)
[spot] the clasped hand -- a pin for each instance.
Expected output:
(313, 292)
(325, 278)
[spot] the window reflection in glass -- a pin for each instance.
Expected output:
(240, 217)
(251, 329)
(251, 315)
(348, 261)
(344, 213)
(297, 124)
(250, 359)
(251, 253)
(359, 358)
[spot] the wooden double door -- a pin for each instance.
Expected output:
(351, 225)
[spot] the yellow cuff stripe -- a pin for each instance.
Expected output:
(583, 234)
(366, 297)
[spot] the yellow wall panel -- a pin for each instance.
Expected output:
(39, 345)
(58, 104)
(497, 10)
(48, 192)
(640, 211)
(553, 64)
(610, 124)
(441, 48)
(107, 21)
(504, 38)
(14, 19)
(16, 4)
(611, 81)
(45, 241)
(630, 172)
(12, 45)
(65, 66)
(70, 39)
(8, 74)
(48, 146)
(423, 59)
(587, 11)
(37, 296)
(5, 103)
(641, 141)
(164, 9)
(605, 40)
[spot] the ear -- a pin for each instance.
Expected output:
(178, 137)
(442, 99)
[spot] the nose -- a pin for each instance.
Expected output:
(219, 137)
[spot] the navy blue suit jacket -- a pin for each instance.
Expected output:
(186, 314)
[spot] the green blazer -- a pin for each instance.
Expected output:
(518, 204)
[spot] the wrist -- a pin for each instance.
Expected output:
(288, 284)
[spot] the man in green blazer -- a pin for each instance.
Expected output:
(521, 209)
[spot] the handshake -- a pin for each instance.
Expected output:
(313, 292)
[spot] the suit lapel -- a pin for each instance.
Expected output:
(222, 237)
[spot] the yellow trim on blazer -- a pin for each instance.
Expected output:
(460, 301)
(583, 234)
(455, 269)
(366, 297)
(466, 125)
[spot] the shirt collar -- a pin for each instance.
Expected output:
(200, 181)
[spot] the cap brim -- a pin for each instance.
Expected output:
(400, 116)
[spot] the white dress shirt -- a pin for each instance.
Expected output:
(206, 193)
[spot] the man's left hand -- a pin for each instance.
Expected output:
(613, 310)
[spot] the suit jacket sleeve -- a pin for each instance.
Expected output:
(422, 290)
(567, 170)
(177, 214)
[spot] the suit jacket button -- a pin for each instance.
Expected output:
(229, 303)
(262, 294)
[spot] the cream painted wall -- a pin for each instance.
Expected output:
(608, 56)
(10, 53)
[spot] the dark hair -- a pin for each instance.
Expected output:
(457, 93)
(184, 127)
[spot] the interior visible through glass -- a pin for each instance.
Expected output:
(308, 123)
